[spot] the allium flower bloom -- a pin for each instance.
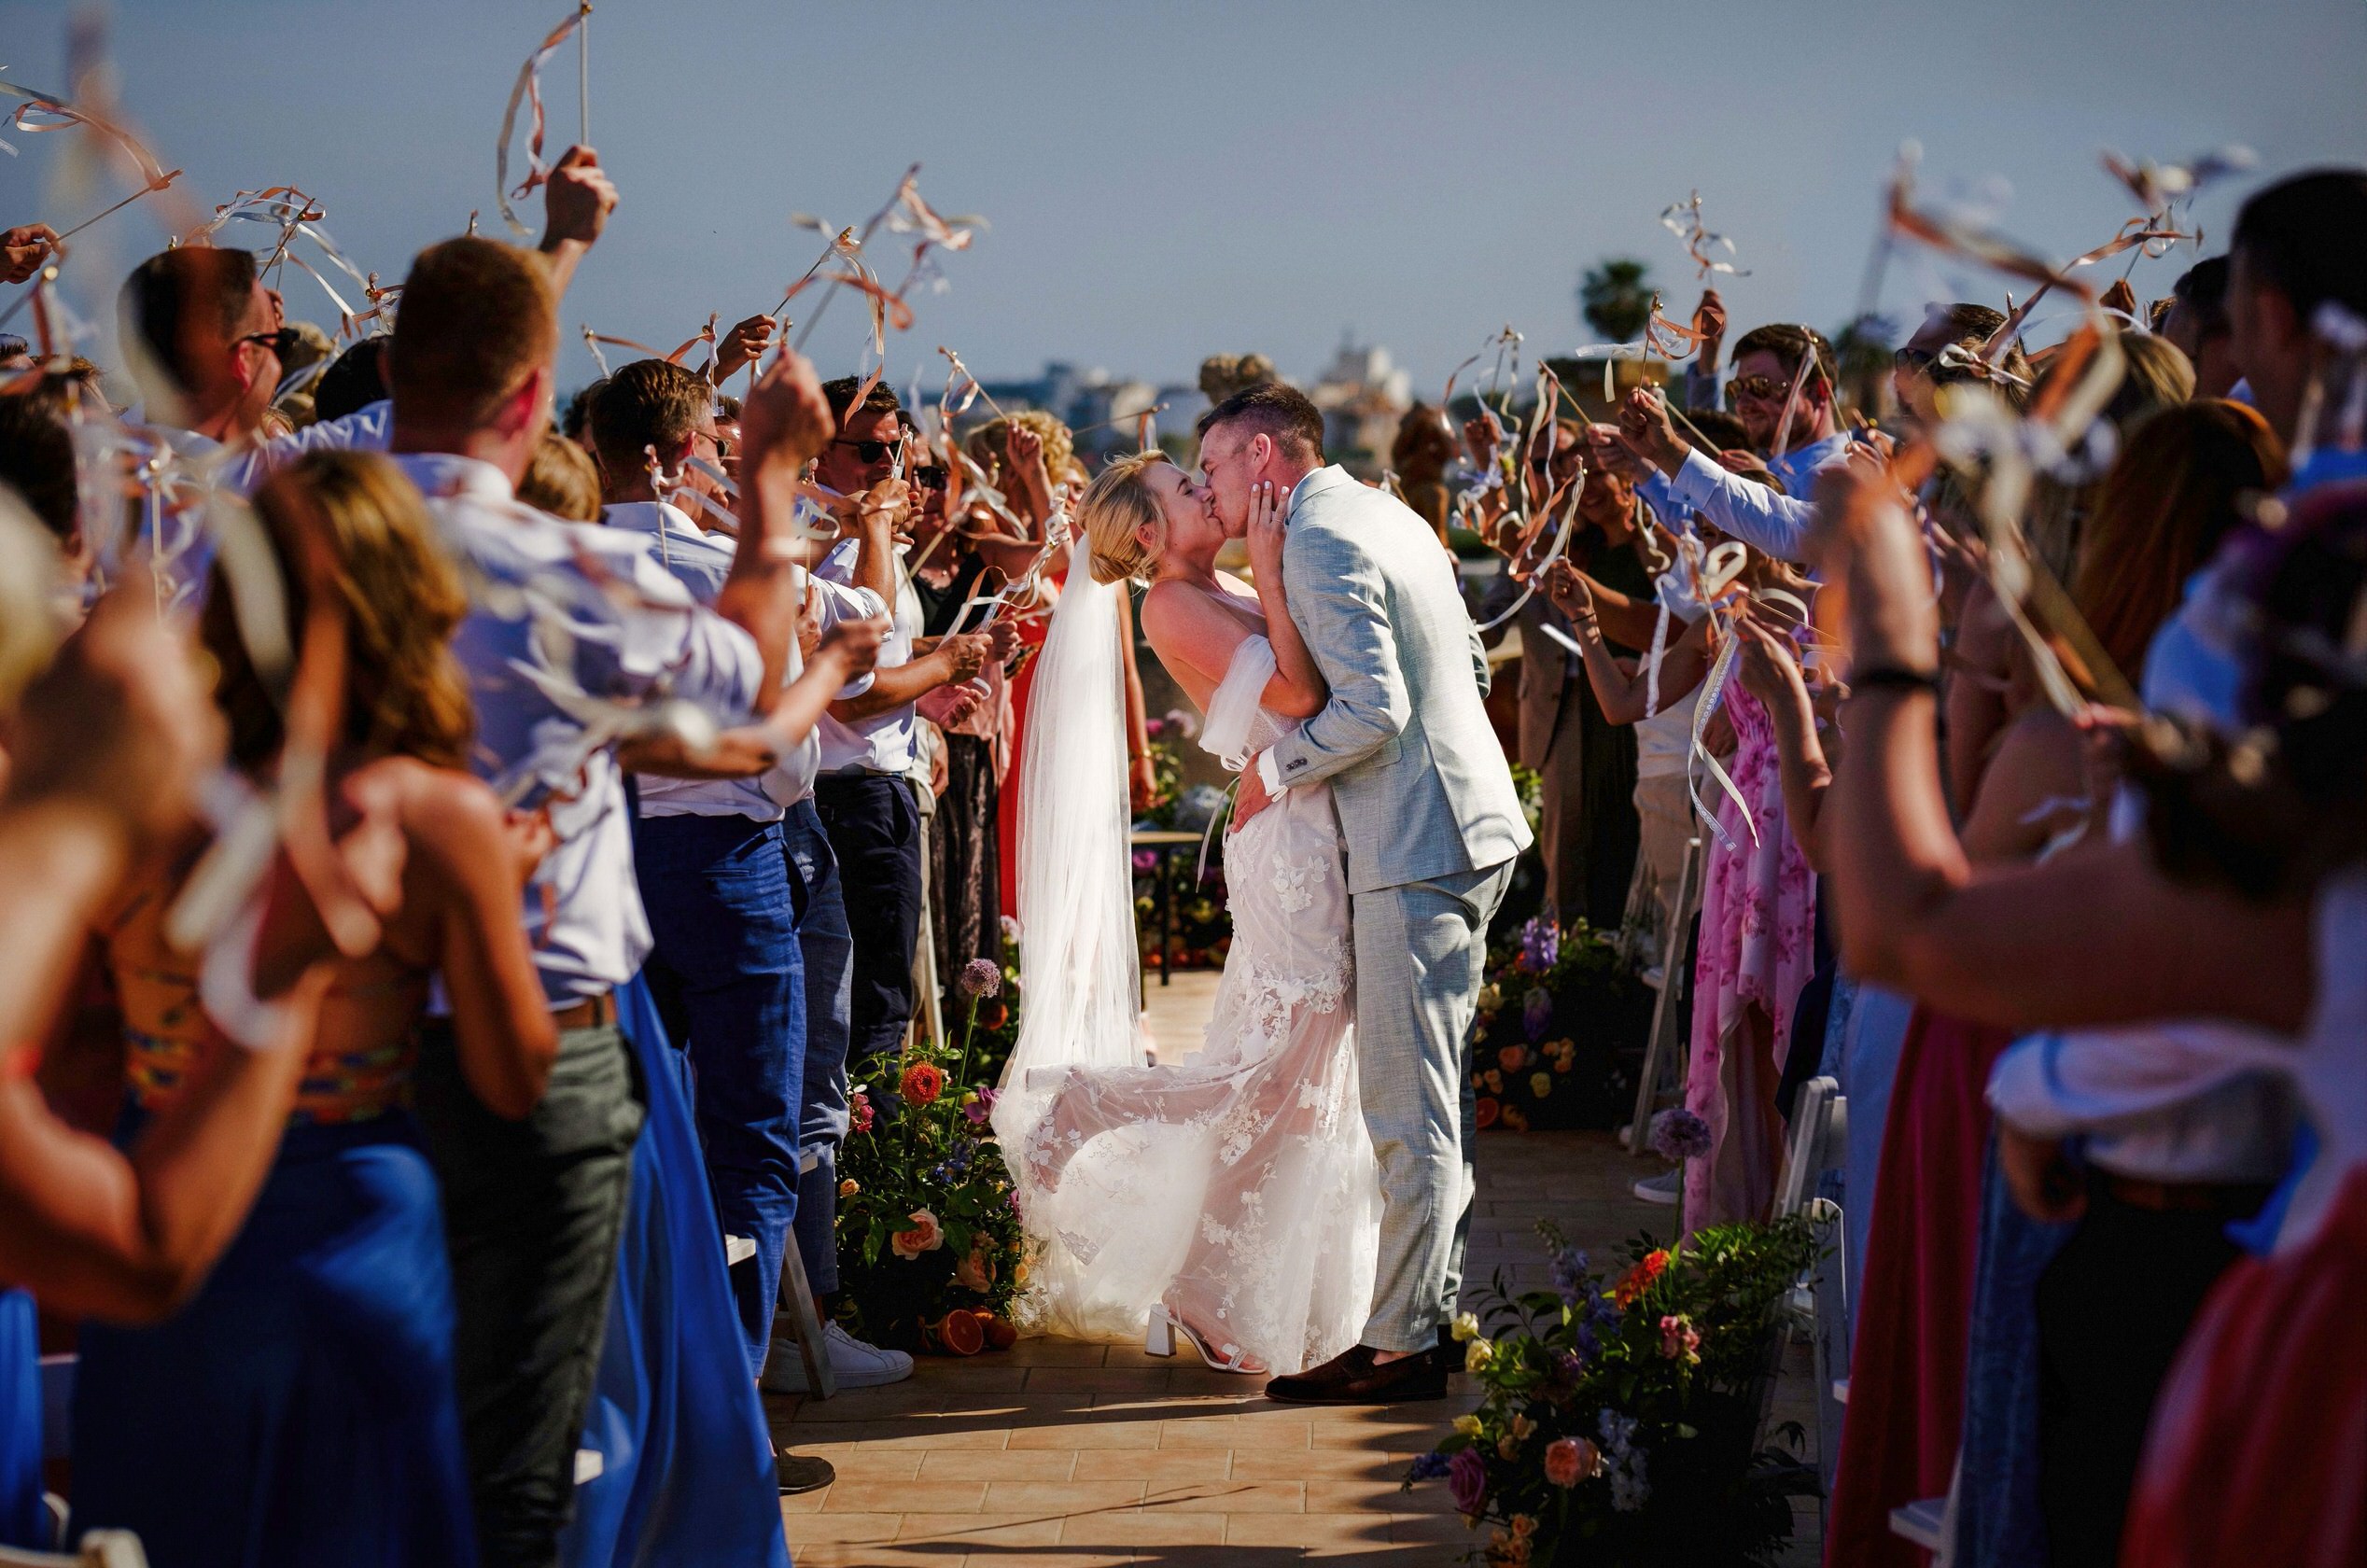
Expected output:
(1468, 1481)
(1569, 1460)
(922, 1083)
(1540, 945)
(980, 977)
(926, 1236)
(1678, 1134)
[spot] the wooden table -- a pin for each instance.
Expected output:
(1163, 843)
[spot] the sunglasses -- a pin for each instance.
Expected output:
(930, 476)
(282, 342)
(1767, 389)
(871, 451)
(1912, 358)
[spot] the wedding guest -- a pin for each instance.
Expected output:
(860, 985)
(532, 1208)
(2197, 326)
(1419, 455)
(1758, 908)
(724, 966)
(1785, 392)
(300, 1408)
(561, 479)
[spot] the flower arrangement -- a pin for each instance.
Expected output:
(1620, 1413)
(1560, 1022)
(930, 1248)
(1203, 926)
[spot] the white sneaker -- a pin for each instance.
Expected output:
(853, 1363)
(1662, 1188)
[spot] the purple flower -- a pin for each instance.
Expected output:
(1428, 1467)
(1145, 861)
(1568, 1368)
(1678, 1134)
(1536, 1012)
(1540, 945)
(1467, 1480)
(980, 977)
(1569, 1274)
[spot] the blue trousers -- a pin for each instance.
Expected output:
(729, 981)
(828, 948)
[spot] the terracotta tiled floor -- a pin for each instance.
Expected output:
(1082, 1455)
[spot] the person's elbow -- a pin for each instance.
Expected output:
(1301, 702)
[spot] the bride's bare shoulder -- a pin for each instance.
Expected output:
(1186, 625)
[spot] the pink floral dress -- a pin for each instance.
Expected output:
(1756, 949)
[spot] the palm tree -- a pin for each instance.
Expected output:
(1616, 297)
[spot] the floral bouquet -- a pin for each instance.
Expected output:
(930, 1248)
(1621, 1420)
(1558, 1018)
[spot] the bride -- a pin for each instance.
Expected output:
(1233, 1196)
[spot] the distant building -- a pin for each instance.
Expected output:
(1363, 394)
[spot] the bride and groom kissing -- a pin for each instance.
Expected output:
(1293, 1197)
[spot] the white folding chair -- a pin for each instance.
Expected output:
(797, 1297)
(100, 1548)
(1664, 1047)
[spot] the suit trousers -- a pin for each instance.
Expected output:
(1421, 953)
(818, 903)
(730, 983)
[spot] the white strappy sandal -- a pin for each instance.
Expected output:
(1158, 1339)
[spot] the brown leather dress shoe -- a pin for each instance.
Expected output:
(1354, 1378)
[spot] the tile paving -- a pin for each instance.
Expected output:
(1079, 1455)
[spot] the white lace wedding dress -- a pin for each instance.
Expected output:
(1237, 1185)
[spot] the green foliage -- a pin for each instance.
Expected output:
(1619, 1418)
(1616, 297)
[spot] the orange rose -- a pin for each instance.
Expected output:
(921, 1083)
(974, 1272)
(1512, 1058)
(926, 1236)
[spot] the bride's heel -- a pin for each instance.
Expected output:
(1159, 1335)
(1158, 1339)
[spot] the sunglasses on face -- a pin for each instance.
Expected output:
(1912, 359)
(930, 476)
(282, 342)
(1767, 389)
(871, 451)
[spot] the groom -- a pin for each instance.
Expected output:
(1433, 823)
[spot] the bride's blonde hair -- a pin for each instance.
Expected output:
(1117, 506)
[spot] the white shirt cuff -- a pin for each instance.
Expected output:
(1269, 773)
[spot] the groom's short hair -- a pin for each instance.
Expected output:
(1284, 412)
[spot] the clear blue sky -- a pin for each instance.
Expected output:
(1167, 181)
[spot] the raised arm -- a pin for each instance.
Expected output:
(2087, 938)
(1342, 604)
(785, 422)
(1769, 673)
(1621, 687)
(1697, 481)
(464, 874)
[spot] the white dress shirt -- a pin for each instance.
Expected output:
(883, 743)
(1743, 508)
(185, 549)
(563, 617)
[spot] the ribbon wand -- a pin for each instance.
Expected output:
(584, 77)
(869, 228)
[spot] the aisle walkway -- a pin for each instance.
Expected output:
(1079, 1456)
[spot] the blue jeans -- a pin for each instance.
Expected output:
(829, 946)
(729, 980)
